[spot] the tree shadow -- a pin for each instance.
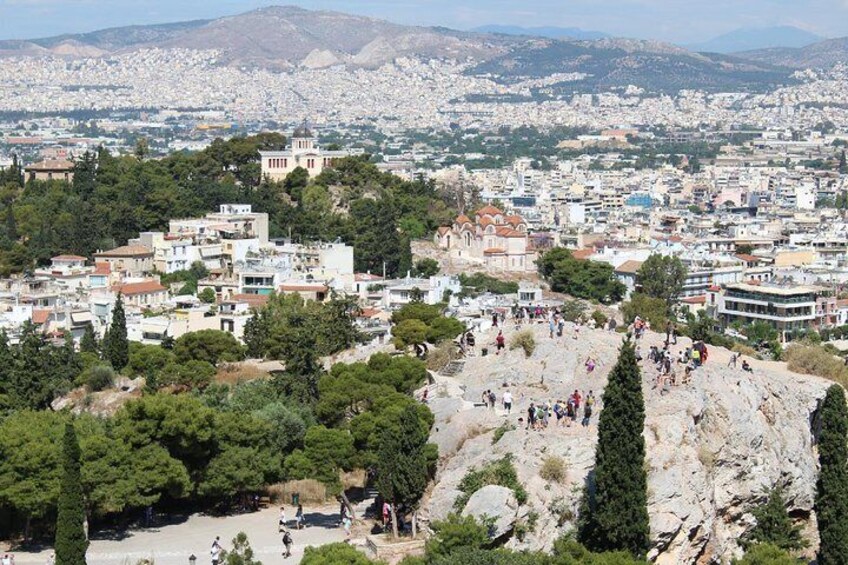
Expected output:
(321, 520)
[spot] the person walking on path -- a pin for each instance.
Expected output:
(281, 526)
(216, 550)
(507, 401)
(298, 516)
(287, 543)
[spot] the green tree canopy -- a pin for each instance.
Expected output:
(662, 276)
(212, 346)
(586, 279)
(774, 526)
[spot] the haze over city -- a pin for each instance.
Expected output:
(423, 282)
(681, 21)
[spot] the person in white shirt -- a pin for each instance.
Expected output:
(507, 401)
(216, 550)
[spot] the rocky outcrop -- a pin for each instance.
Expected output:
(496, 506)
(714, 446)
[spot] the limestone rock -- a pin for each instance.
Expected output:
(495, 504)
(714, 446)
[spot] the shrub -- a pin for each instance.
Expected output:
(440, 356)
(652, 309)
(747, 350)
(600, 318)
(553, 469)
(814, 360)
(99, 377)
(454, 533)
(310, 491)
(572, 310)
(525, 341)
(500, 472)
(500, 431)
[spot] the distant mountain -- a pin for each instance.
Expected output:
(549, 32)
(652, 65)
(749, 39)
(286, 37)
(822, 55)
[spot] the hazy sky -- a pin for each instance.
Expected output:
(682, 21)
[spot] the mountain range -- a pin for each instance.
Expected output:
(550, 32)
(749, 39)
(283, 38)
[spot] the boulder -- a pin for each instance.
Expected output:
(495, 505)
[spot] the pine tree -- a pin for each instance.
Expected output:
(774, 526)
(843, 163)
(88, 343)
(832, 485)
(71, 541)
(618, 504)
(116, 349)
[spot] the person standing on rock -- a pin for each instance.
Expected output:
(500, 343)
(587, 413)
(507, 401)
(732, 363)
(493, 398)
(531, 417)
(485, 398)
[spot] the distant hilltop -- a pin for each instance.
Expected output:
(284, 38)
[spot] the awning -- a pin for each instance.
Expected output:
(81, 317)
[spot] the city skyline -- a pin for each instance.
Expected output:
(678, 21)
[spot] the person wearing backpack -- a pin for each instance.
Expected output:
(287, 542)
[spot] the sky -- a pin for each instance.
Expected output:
(680, 21)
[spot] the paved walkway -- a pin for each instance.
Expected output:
(173, 544)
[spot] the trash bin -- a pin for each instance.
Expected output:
(295, 498)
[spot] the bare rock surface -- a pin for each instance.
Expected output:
(714, 446)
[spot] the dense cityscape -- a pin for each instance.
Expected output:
(435, 297)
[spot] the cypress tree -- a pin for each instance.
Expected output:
(617, 506)
(71, 541)
(832, 485)
(88, 343)
(117, 349)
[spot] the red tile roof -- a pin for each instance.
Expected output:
(488, 210)
(463, 219)
(39, 317)
(747, 258)
(443, 230)
(629, 267)
(255, 300)
(694, 299)
(68, 258)
(132, 289)
(126, 251)
(303, 288)
(509, 232)
(102, 269)
(714, 288)
(582, 253)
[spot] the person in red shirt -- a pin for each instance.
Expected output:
(500, 342)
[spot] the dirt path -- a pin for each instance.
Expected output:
(173, 544)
